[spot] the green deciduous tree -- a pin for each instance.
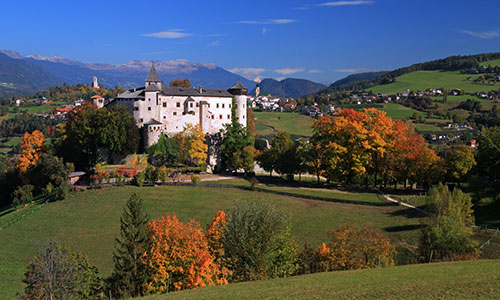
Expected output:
(89, 128)
(459, 162)
(57, 273)
(448, 233)
(257, 242)
(130, 270)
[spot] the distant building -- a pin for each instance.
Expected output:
(95, 85)
(97, 101)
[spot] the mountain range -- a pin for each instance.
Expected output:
(25, 75)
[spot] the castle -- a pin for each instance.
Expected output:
(158, 108)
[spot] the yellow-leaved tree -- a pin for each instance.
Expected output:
(31, 149)
(192, 144)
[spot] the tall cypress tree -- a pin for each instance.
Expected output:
(130, 273)
(236, 137)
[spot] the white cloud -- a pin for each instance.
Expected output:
(268, 21)
(314, 71)
(491, 34)
(288, 71)
(264, 30)
(249, 73)
(345, 3)
(350, 70)
(279, 78)
(214, 44)
(168, 34)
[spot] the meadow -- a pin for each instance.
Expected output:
(422, 80)
(398, 111)
(456, 280)
(89, 222)
(267, 124)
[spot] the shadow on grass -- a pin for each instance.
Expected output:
(404, 228)
(408, 212)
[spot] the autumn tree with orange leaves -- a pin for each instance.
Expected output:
(368, 144)
(31, 149)
(352, 248)
(180, 257)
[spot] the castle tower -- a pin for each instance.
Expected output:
(153, 78)
(257, 90)
(239, 91)
(95, 85)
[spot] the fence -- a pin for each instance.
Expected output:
(20, 217)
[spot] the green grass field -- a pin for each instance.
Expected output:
(492, 63)
(456, 280)
(398, 111)
(39, 108)
(89, 222)
(295, 124)
(427, 127)
(422, 80)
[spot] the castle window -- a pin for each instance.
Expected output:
(149, 108)
(136, 108)
(243, 105)
(222, 105)
(213, 117)
(229, 105)
(243, 116)
(197, 104)
(140, 120)
(228, 117)
(164, 117)
(217, 105)
(164, 104)
(175, 113)
(220, 117)
(191, 104)
(178, 104)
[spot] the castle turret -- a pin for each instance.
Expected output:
(239, 91)
(257, 90)
(153, 78)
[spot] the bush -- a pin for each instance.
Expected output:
(139, 179)
(151, 174)
(195, 179)
(257, 242)
(22, 194)
(448, 235)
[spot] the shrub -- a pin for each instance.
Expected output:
(195, 179)
(163, 174)
(151, 174)
(257, 242)
(139, 179)
(22, 194)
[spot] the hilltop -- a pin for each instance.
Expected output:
(289, 87)
(457, 280)
(436, 74)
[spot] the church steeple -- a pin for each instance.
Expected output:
(153, 77)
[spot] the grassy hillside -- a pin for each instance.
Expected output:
(422, 80)
(457, 280)
(297, 125)
(398, 111)
(89, 222)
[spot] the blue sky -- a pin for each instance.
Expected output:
(318, 40)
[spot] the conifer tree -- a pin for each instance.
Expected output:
(130, 273)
